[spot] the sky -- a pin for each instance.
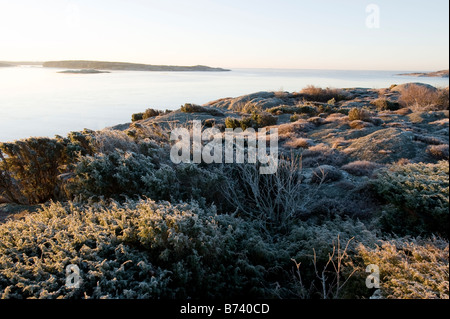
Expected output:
(315, 34)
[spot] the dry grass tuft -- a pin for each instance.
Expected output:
(300, 142)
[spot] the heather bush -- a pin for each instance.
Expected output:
(419, 198)
(410, 268)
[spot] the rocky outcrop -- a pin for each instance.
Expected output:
(260, 100)
(383, 146)
(402, 87)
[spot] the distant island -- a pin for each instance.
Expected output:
(437, 74)
(84, 71)
(5, 65)
(102, 65)
(17, 63)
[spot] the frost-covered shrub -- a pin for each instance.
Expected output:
(185, 182)
(312, 245)
(138, 250)
(273, 200)
(108, 141)
(29, 169)
(119, 175)
(325, 174)
(410, 269)
(419, 195)
(114, 175)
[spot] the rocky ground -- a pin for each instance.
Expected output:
(327, 139)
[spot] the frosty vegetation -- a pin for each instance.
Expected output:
(348, 192)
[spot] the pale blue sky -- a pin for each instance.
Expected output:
(319, 34)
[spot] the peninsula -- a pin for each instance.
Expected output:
(125, 66)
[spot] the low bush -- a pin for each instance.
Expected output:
(410, 268)
(383, 104)
(137, 117)
(419, 198)
(285, 109)
(148, 114)
(313, 93)
(30, 168)
(256, 120)
(419, 96)
(232, 123)
(137, 250)
(358, 114)
(194, 108)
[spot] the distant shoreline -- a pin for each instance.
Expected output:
(436, 74)
(84, 71)
(125, 66)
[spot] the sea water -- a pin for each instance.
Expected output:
(36, 101)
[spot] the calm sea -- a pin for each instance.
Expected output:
(37, 101)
